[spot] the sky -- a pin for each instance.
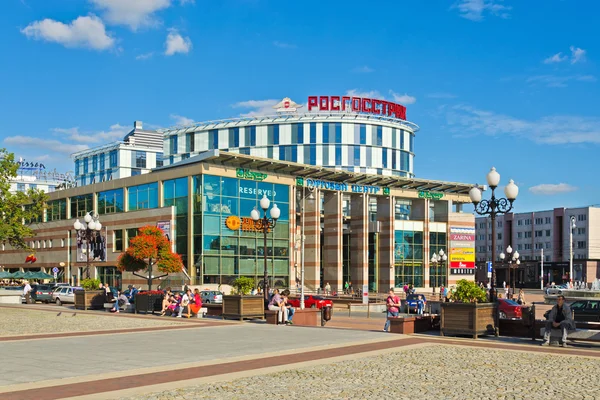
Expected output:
(505, 83)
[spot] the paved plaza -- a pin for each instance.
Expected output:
(96, 355)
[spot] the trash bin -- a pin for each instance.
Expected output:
(528, 315)
(325, 315)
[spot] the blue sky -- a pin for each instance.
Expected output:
(510, 84)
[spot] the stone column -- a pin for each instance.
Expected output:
(385, 248)
(312, 243)
(359, 240)
(333, 241)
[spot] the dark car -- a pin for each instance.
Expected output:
(42, 293)
(586, 310)
(410, 304)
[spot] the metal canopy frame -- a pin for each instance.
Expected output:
(237, 160)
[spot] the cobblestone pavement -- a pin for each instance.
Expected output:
(432, 372)
(26, 322)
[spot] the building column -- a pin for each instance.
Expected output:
(385, 248)
(333, 241)
(426, 246)
(359, 240)
(190, 267)
(312, 242)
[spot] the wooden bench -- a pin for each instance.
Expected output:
(271, 317)
(579, 334)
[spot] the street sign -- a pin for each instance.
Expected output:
(489, 269)
(55, 275)
(55, 270)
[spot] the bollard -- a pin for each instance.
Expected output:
(325, 315)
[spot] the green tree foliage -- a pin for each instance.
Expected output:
(468, 292)
(243, 285)
(15, 208)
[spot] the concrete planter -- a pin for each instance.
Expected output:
(93, 299)
(240, 307)
(470, 319)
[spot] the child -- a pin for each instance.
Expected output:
(420, 305)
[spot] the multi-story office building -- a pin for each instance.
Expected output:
(542, 234)
(140, 151)
(34, 175)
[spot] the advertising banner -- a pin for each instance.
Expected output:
(462, 257)
(96, 248)
(462, 264)
(460, 237)
(462, 250)
(165, 227)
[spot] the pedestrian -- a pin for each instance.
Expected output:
(559, 317)
(521, 298)
(420, 305)
(291, 310)
(327, 289)
(393, 308)
(27, 292)
(347, 288)
(120, 302)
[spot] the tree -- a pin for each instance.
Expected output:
(15, 208)
(150, 247)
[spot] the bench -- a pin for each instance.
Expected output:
(579, 334)
(129, 308)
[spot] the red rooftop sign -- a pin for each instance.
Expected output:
(357, 104)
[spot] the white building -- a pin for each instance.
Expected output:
(140, 151)
(542, 232)
(34, 175)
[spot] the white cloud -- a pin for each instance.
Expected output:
(132, 13)
(577, 55)
(257, 107)
(555, 130)
(441, 95)
(557, 58)
(144, 56)
(283, 45)
(181, 120)
(365, 69)
(403, 98)
(559, 81)
(48, 144)
(359, 93)
(474, 9)
(86, 32)
(550, 189)
(176, 43)
(114, 133)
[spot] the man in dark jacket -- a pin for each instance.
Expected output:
(559, 318)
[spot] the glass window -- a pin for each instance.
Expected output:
(140, 159)
(294, 153)
(313, 132)
(173, 145)
(379, 136)
(363, 134)
(338, 132)
(325, 133)
(313, 154)
(57, 210)
(297, 133)
(190, 142)
(76, 167)
(234, 137)
(252, 136)
(159, 159)
(118, 240)
(136, 171)
(102, 161)
(113, 158)
(411, 138)
(338, 155)
(95, 162)
(81, 205)
(143, 196)
(20, 187)
(213, 139)
(384, 158)
(85, 165)
(110, 201)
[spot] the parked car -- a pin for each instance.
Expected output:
(42, 293)
(411, 302)
(311, 302)
(509, 309)
(586, 310)
(64, 294)
(211, 296)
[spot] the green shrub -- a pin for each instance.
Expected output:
(90, 284)
(243, 285)
(468, 292)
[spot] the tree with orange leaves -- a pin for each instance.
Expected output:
(150, 247)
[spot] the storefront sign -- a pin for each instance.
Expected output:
(462, 238)
(252, 175)
(234, 223)
(357, 104)
(340, 186)
(430, 195)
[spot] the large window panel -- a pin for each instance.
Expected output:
(212, 225)
(248, 266)
(211, 265)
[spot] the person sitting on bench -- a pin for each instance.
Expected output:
(559, 317)
(120, 302)
(277, 304)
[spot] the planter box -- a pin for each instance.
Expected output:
(404, 325)
(93, 299)
(148, 303)
(471, 319)
(240, 307)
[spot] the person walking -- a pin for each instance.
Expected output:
(27, 292)
(521, 298)
(393, 308)
(327, 289)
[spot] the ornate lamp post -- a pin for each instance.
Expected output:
(510, 260)
(303, 196)
(492, 207)
(438, 260)
(87, 231)
(265, 224)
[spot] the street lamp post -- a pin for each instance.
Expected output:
(265, 224)
(438, 260)
(88, 229)
(492, 207)
(303, 197)
(510, 260)
(572, 226)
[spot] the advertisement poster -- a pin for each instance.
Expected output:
(462, 251)
(96, 247)
(165, 227)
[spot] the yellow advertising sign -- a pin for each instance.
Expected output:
(459, 250)
(462, 257)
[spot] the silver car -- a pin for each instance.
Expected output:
(64, 294)
(211, 296)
